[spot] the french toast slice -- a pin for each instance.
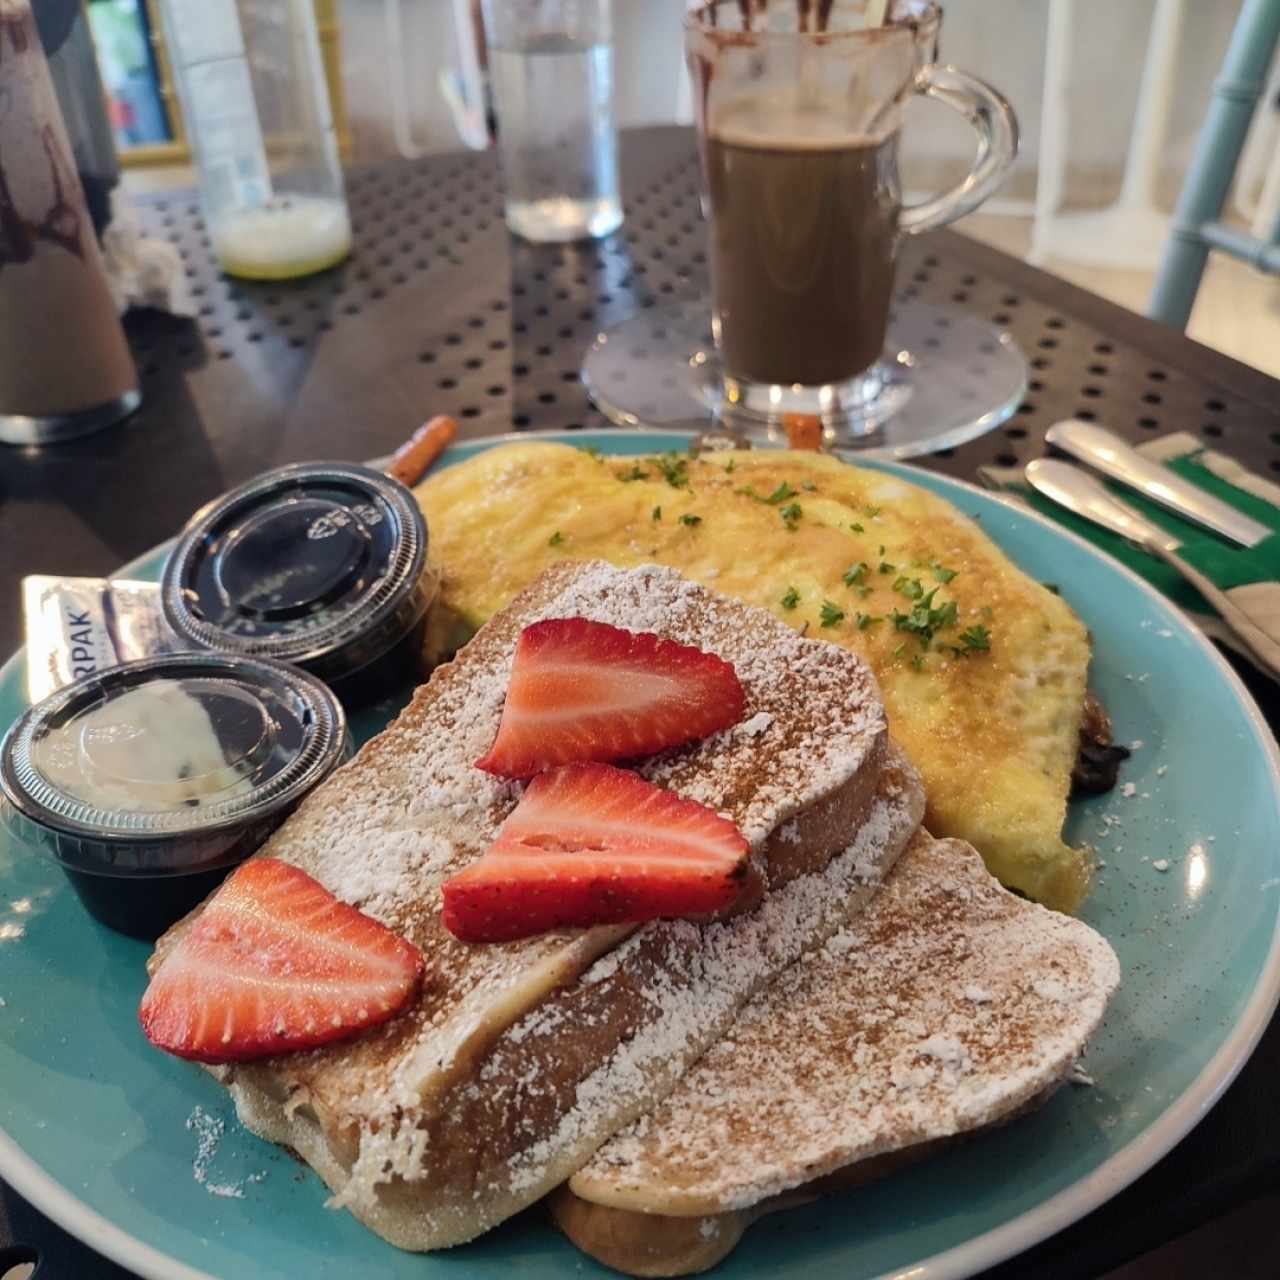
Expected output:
(948, 1006)
(588, 1059)
(797, 775)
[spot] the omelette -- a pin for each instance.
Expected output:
(982, 669)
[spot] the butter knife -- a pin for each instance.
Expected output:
(1105, 452)
(1252, 612)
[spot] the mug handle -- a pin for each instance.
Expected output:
(995, 124)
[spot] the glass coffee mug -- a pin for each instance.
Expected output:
(799, 109)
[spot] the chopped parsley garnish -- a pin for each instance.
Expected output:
(872, 512)
(831, 614)
(912, 588)
(591, 451)
(1052, 586)
(791, 515)
(809, 488)
(791, 599)
(857, 528)
(900, 650)
(729, 466)
(780, 494)
(973, 640)
(942, 575)
(917, 662)
(674, 468)
(556, 539)
(886, 567)
(924, 621)
(856, 574)
(657, 514)
(865, 620)
(634, 474)
(690, 520)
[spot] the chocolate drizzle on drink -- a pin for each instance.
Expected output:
(822, 16)
(748, 9)
(15, 27)
(60, 221)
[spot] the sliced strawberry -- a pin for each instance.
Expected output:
(584, 690)
(591, 844)
(275, 962)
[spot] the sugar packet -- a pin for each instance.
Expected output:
(78, 626)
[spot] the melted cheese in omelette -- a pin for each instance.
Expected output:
(993, 732)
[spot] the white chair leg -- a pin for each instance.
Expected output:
(1132, 232)
(1051, 171)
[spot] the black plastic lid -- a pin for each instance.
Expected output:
(317, 564)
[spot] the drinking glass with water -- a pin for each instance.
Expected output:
(551, 71)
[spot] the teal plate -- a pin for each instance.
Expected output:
(98, 1128)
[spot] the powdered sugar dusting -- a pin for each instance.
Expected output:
(692, 980)
(1079, 1077)
(385, 831)
(698, 991)
(421, 810)
(757, 724)
(947, 1004)
(208, 1130)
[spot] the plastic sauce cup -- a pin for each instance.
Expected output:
(319, 564)
(149, 781)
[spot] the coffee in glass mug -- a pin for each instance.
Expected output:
(799, 110)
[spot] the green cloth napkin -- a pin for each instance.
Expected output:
(1223, 563)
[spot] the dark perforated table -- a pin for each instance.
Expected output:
(439, 310)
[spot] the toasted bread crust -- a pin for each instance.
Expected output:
(650, 1244)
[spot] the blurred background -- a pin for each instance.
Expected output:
(1110, 98)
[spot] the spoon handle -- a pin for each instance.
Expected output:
(1080, 492)
(1107, 453)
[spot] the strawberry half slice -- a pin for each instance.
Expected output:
(275, 962)
(591, 844)
(584, 690)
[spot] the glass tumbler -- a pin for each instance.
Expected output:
(256, 106)
(551, 72)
